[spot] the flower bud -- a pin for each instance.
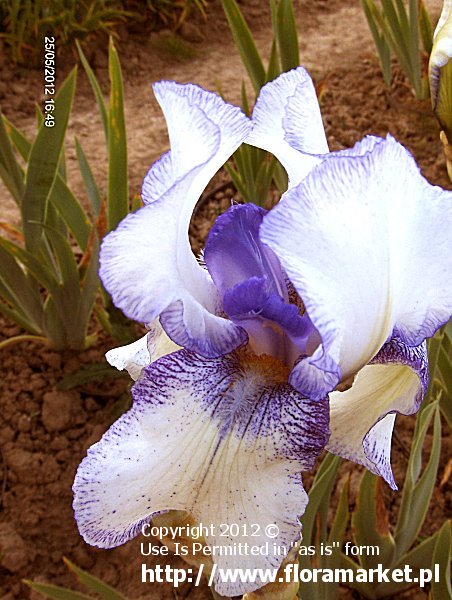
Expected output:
(440, 75)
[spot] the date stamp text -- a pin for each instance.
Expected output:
(49, 80)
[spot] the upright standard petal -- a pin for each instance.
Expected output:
(287, 122)
(146, 263)
(202, 129)
(370, 254)
(395, 382)
(224, 439)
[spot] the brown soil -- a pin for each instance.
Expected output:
(44, 432)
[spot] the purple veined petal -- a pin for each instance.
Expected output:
(202, 128)
(147, 266)
(224, 439)
(146, 263)
(287, 122)
(196, 328)
(139, 354)
(362, 418)
(160, 178)
(250, 280)
(361, 148)
(370, 253)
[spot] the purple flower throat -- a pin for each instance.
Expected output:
(254, 288)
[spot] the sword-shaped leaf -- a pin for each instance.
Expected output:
(19, 290)
(10, 170)
(118, 188)
(94, 584)
(319, 496)
(32, 263)
(287, 36)
(96, 89)
(442, 556)
(43, 165)
(418, 488)
(245, 43)
(417, 558)
(92, 190)
(370, 523)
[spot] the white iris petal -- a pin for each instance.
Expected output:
(224, 439)
(147, 264)
(134, 357)
(287, 122)
(370, 254)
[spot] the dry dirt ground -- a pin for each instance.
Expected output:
(43, 432)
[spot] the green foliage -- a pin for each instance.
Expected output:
(118, 188)
(42, 167)
(171, 12)
(442, 556)
(25, 23)
(117, 203)
(316, 532)
(89, 374)
(398, 28)
(98, 587)
(253, 171)
(48, 281)
(440, 364)
(44, 286)
(172, 47)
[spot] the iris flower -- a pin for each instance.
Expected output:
(239, 379)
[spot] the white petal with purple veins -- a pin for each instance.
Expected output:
(287, 122)
(224, 439)
(362, 418)
(146, 263)
(370, 253)
(203, 130)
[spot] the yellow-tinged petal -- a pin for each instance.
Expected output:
(395, 382)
